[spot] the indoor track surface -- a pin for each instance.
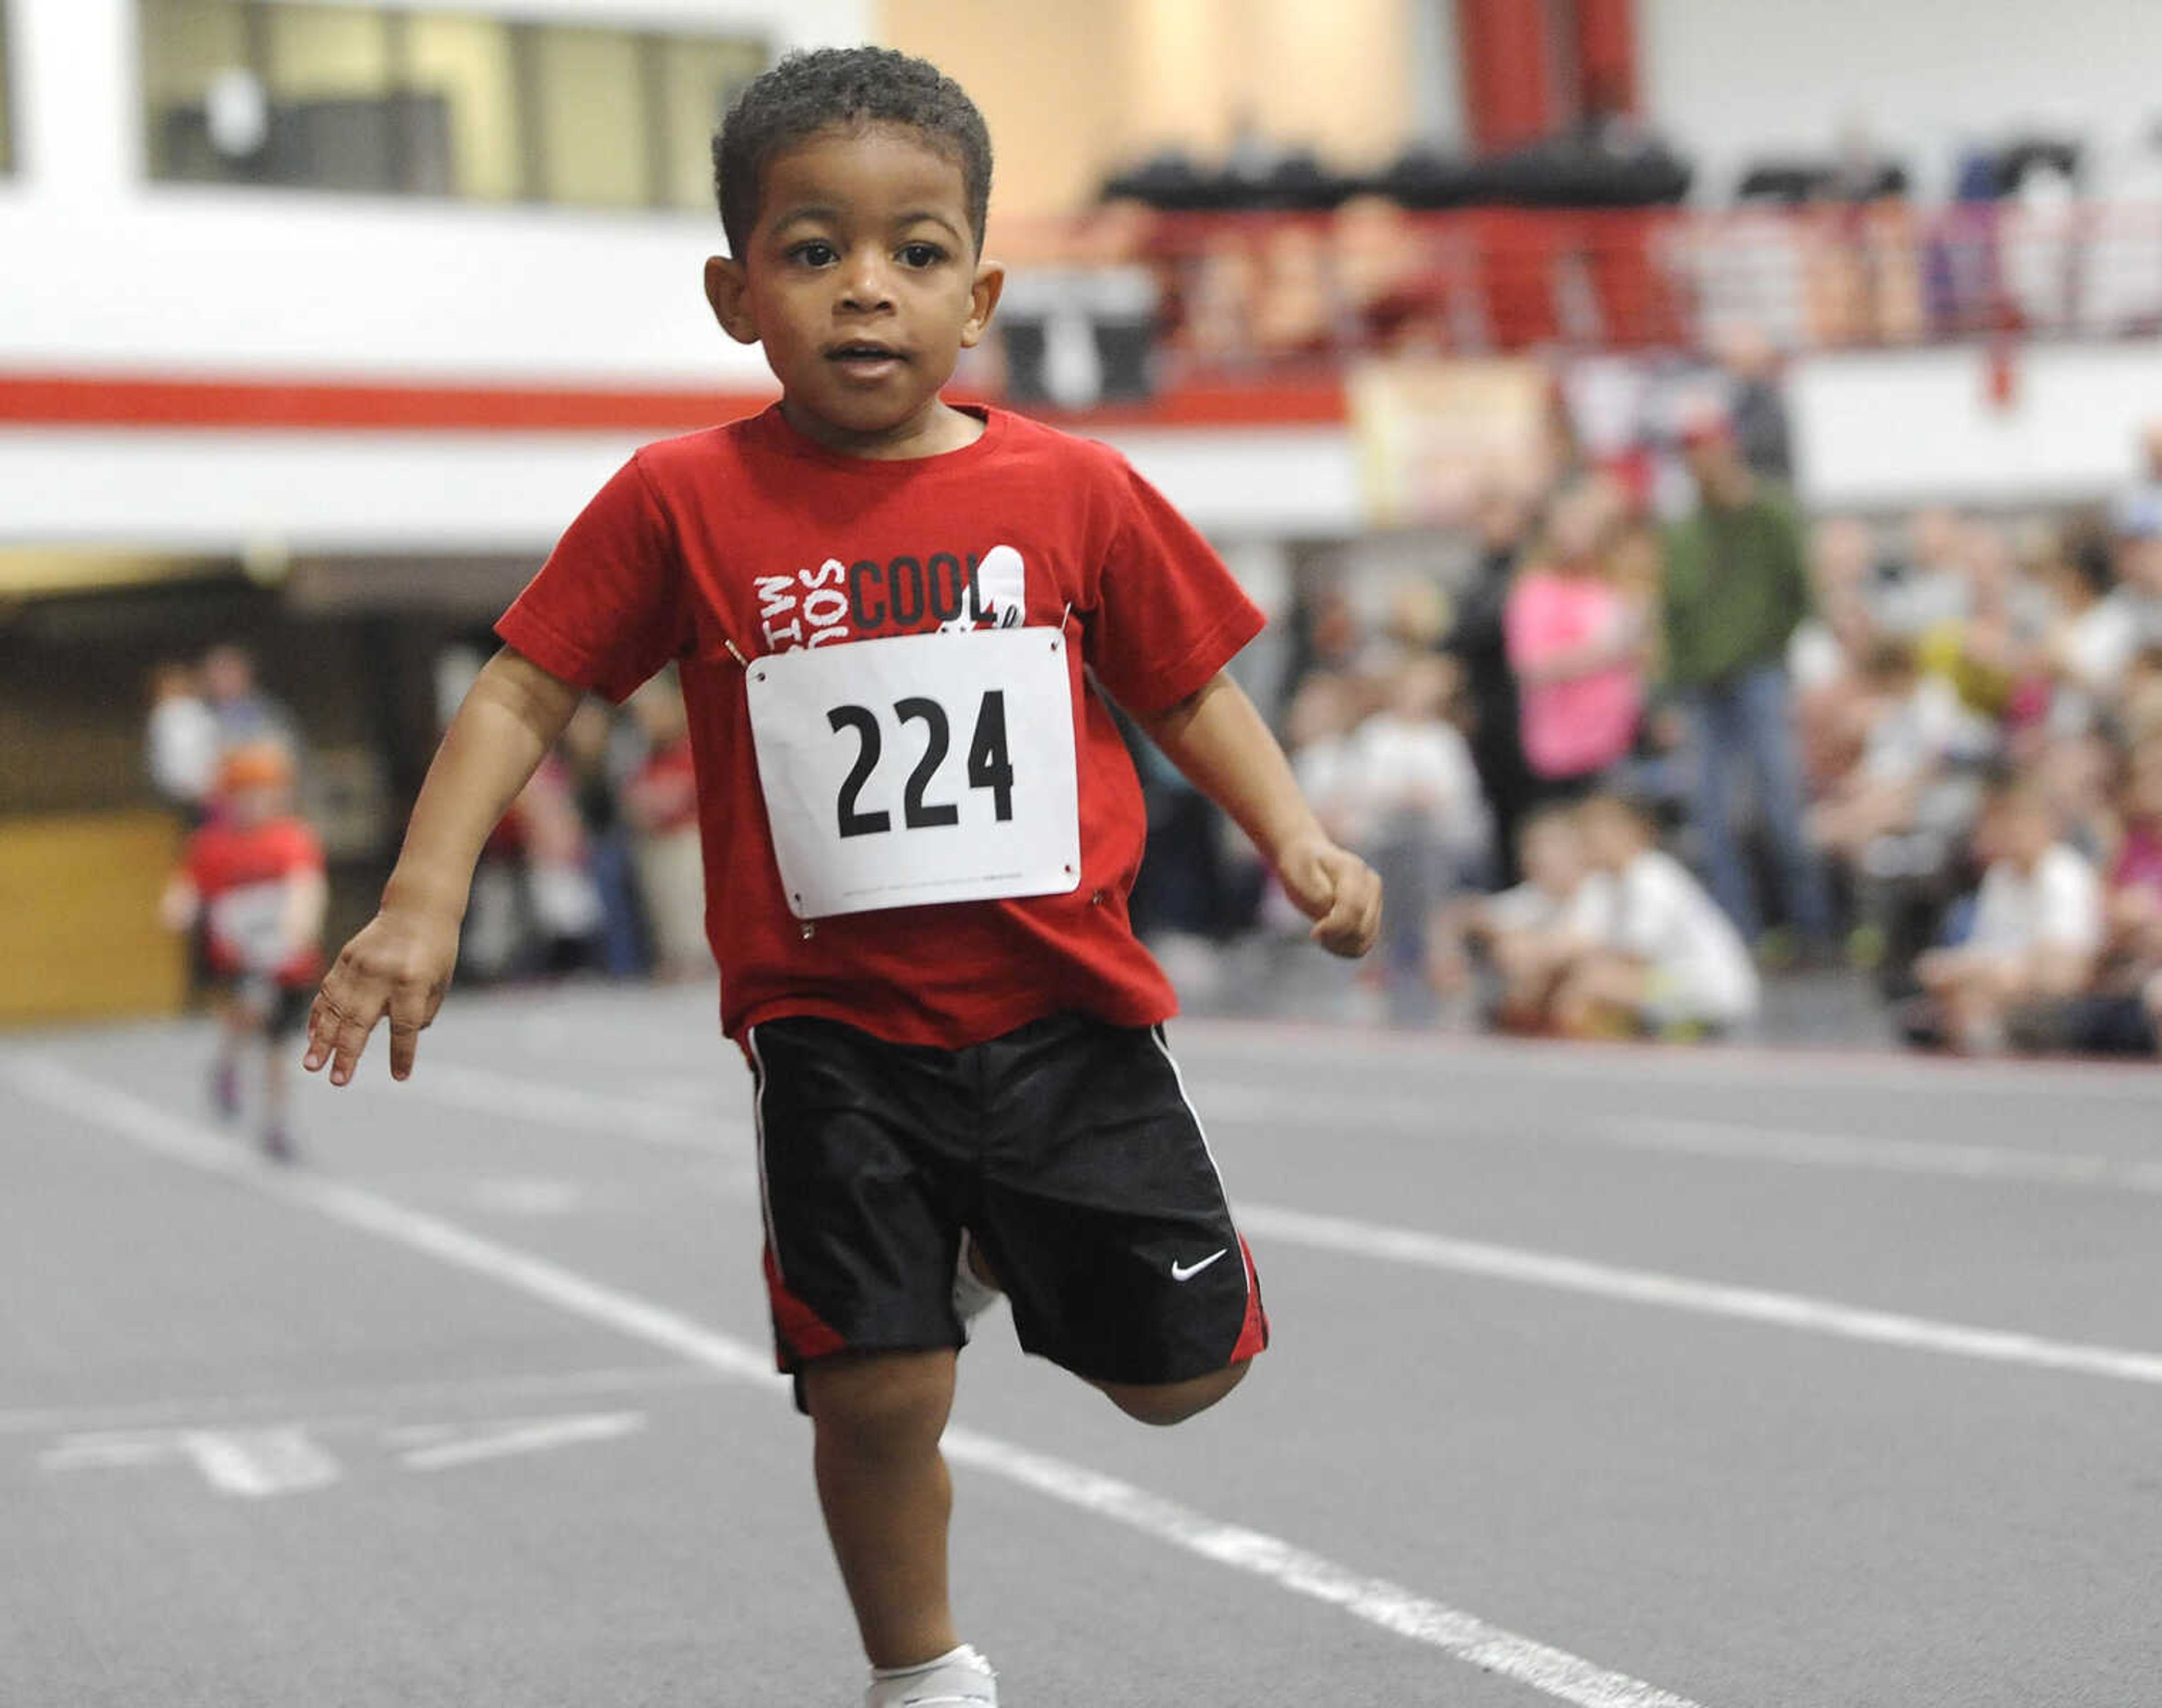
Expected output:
(1623, 1379)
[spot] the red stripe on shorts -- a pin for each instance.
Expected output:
(1254, 1332)
(802, 1333)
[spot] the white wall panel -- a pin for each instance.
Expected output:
(1732, 79)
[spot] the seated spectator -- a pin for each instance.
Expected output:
(1532, 935)
(1577, 642)
(2123, 1014)
(2096, 634)
(1932, 585)
(2036, 938)
(1915, 731)
(1672, 963)
(1989, 650)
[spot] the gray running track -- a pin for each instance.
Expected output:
(1731, 1379)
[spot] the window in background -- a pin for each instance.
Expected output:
(397, 101)
(698, 79)
(589, 105)
(469, 63)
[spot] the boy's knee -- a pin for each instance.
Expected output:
(1168, 1403)
(879, 1403)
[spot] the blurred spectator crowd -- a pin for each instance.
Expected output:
(1628, 764)
(1614, 772)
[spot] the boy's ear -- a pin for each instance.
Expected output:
(984, 301)
(727, 290)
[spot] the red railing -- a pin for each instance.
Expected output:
(1265, 293)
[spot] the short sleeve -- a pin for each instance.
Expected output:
(606, 610)
(1170, 614)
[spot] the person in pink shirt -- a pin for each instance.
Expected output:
(1576, 640)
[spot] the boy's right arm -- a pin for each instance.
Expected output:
(400, 964)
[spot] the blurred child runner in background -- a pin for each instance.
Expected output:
(981, 1072)
(255, 877)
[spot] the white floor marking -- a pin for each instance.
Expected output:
(515, 1097)
(1339, 1049)
(514, 1437)
(1740, 1141)
(252, 1463)
(1554, 1672)
(1680, 1293)
(1652, 1286)
(1823, 1150)
(184, 1409)
(527, 1195)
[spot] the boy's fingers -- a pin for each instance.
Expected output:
(339, 1034)
(1353, 919)
(408, 1018)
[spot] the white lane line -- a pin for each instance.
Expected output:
(516, 1097)
(1952, 1160)
(509, 1440)
(1652, 1286)
(1210, 1044)
(252, 1463)
(1649, 1287)
(1737, 1140)
(1554, 1672)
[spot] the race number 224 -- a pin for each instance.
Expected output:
(988, 765)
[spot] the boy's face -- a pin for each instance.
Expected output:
(257, 804)
(861, 280)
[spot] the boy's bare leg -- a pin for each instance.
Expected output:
(235, 1026)
(884, 1487)
(1168, 1403)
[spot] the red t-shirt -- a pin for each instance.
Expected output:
(752, 536)
(241, 875)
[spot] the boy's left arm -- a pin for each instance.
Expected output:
(1218, 740)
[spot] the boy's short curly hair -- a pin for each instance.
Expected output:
(847, 88)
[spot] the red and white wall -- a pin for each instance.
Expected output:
(187, 368)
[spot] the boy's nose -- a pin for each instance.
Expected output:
(864, 283)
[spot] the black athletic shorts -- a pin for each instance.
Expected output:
(284, 1007)
(1069, 1152)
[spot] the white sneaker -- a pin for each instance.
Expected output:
(960, 1679)
(973, 1295)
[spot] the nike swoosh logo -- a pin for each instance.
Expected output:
(1186, 1272)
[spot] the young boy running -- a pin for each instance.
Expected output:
(253, 877)
(890, 618)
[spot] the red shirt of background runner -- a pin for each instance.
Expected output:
(228, 864)
(751, 536)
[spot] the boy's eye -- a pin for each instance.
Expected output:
(922, 254)
(815, 254)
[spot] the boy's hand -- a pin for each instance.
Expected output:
(1338, 890)
(398, 967)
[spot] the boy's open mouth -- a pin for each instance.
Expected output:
(864, 354)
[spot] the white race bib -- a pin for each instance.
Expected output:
(250, 922)
(920, 769)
